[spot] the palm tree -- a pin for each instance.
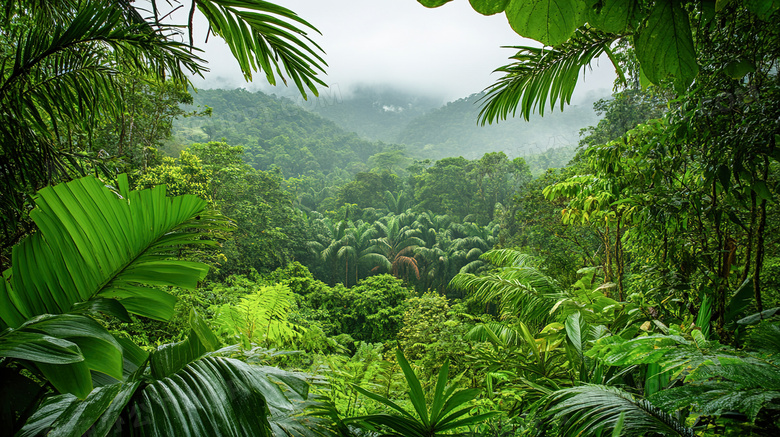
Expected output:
(328, 243)
(355, 245)
(394, 251)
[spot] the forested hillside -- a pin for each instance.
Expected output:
(454, 130)
(252, 269)
(276, 132)
(373, 112)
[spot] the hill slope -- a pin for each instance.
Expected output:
(275, 132)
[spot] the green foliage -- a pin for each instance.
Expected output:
(66, 67)
(370, 312)
(423, 321)
(267, 37)
(104, 248)
(539, 75)
(444, 411)
(518, 287)
(595, 409)
(260, 317)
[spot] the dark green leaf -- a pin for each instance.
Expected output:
(612, 16)
(664, 46)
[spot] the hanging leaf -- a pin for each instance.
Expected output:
(433, 3)
(612, 16)
(738, 69)
(489, 7)
(550, 22)
(664, 46)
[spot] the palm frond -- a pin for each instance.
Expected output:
(266, 37)
(592, 409)
(541, 75)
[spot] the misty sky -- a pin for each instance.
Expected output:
(448, 52)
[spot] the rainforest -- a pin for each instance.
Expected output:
(224, 262)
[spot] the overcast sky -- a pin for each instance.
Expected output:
(447, 52)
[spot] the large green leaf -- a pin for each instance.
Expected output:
(65, 415)
(66, 348)
(612, 16)
(33, 346)
(97, 244)
(489, 7)
(664, 46)
(209, 396)
(550, 22)
(171, 358)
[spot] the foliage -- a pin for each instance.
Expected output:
(104, 248)
(64, 66)
(370, 312)
(443, 412)
(260, 317)
(423, 321)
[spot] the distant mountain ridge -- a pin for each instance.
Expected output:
(435, 132)
(336, 133)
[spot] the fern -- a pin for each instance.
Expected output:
(260, 317)
(716, 379)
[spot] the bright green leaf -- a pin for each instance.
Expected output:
(489, 7)
(550, 22)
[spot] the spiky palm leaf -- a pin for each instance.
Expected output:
(446, 410)
(520, 289)
(56, 76)
(541, 75)
(266, 37)
(590, 409)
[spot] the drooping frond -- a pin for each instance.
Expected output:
(508, 258)
(590, 409)
(541, 75)
(266, 37)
